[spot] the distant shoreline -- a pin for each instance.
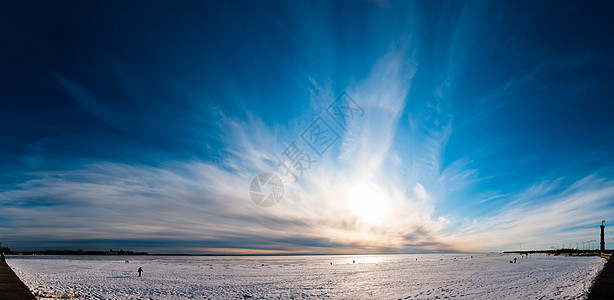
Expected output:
(122, 252)
(561, 251)
(111, 252)
(74, 252)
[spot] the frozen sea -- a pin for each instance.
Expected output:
(431, 276)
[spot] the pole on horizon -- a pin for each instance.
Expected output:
(602, 236)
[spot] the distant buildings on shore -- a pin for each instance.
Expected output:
(7, 250)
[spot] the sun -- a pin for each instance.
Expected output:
(367, 202)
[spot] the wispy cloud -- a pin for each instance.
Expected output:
(207, 202)
(465, 144)
(541, 217)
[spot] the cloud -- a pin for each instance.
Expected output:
(391, 183)
(86, 99)
(542, 216)
(208, 202)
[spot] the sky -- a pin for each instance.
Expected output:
(388, 127)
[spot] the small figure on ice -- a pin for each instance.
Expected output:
(140, 271)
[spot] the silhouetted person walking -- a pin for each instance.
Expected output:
(514, 260)
(140, 271)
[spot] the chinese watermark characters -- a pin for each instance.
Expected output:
(267, 189)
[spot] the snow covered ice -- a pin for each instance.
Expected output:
(432, 276)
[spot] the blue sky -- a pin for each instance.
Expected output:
(140, 125)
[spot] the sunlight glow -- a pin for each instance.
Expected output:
(367, 202)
